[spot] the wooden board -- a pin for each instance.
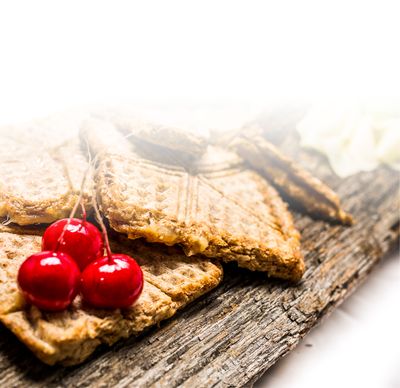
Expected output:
(234, 334)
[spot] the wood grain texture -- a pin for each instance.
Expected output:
(234, 334)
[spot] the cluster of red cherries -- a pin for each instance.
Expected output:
(72, 261)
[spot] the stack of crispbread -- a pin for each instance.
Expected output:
(40, 182)
(175, 192)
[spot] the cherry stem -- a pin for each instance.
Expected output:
(99, 219)
(74, 209)
(78, 202)
(84, 215)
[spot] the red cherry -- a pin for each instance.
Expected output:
(112, 282)
(82, 240)
(49, 280)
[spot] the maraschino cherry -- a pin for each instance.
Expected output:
(49, 280)
(114, 281)
(78, 238)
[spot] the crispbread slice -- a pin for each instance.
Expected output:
(271, 242)
(70, 336)
(161, 135)
(40, 177)
(183, 280)
(204, 206)
(297, 184)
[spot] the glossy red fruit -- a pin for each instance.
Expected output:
(114, 282)
(82, 240)
(49, 280)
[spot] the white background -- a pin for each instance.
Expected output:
(59, 54)
(55, 55)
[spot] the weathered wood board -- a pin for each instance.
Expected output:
(234, 334)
